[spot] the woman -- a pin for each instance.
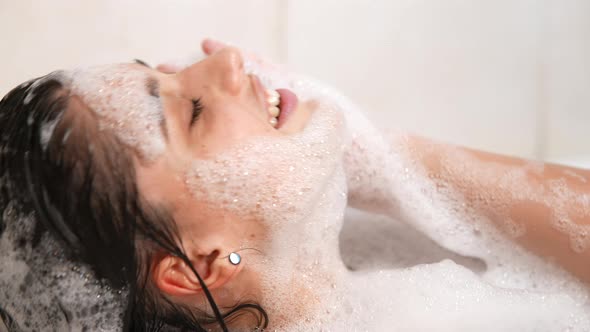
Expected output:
(199, 200)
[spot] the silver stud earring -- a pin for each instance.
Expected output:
(235, 258)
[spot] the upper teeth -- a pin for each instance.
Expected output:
(274, 100)
(274, 111)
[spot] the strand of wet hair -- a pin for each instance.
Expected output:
(178, 253)
(216, 311)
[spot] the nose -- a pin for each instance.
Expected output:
(230, 56)
(224, 70)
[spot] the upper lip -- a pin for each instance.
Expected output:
(259, 90)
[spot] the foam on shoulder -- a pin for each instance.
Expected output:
(518, 289)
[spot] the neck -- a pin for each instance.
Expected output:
(307, 272)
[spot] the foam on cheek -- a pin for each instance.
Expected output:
(269, 177)
(294, 187)
(119, 97)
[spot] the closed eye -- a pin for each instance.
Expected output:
(197, 109)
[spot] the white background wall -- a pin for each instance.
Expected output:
(511, 76)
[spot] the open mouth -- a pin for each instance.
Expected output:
(281, 104)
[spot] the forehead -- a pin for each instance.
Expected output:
(120, 97)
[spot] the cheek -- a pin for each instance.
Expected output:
(177, 112)
(162, 183)
(221, 129)
(192, 217)
(272, 179)
(198, 222)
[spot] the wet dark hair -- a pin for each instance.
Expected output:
(80, 184)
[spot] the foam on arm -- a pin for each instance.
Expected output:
(473, 206)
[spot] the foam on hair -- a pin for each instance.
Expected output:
(119, 97)
(37, 279)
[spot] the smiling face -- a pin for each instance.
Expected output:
(212, 156)
(228, 104)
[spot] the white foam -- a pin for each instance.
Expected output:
(42, 290)
(288, 186)
(30, 95)
(47, 130)
(306, 286)
(289, 173)
(517, 291)
(118, 95)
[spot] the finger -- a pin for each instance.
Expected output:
(168, 68)
(211, 46)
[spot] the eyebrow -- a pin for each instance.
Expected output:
(164, 127)
(153, 88)
(141, 62)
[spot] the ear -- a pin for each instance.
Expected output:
(174, 276)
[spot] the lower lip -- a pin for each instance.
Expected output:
(288, 105)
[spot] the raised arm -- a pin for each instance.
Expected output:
(545, 208)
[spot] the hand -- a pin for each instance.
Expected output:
(211, 46)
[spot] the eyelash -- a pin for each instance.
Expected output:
(197, 108)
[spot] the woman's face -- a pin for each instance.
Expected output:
(234, 106)
(201, 164)
(222, 168)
